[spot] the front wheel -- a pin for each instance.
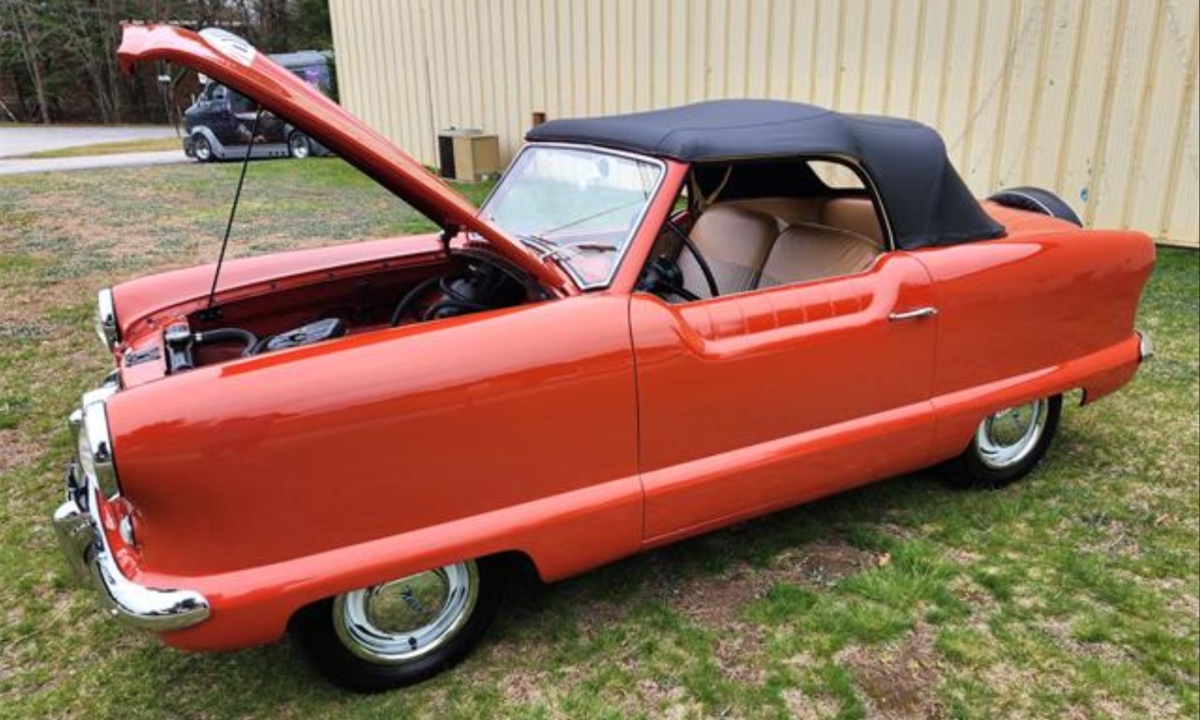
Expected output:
(1007, 445)
(299, 146)
(202, 149)
(404, 631)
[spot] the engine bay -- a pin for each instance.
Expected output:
(466, 282)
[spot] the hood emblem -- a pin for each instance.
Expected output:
(229, 45)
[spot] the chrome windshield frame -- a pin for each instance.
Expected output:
(634, 230)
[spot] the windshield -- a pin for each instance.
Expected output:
(579, 207)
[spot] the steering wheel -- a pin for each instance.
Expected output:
(664, 274)
(453, 299)
(709, 279)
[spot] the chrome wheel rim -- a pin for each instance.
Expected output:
(202, 149)
(1007, 437)
(299, 146)
(406, 619)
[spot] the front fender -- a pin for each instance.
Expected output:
(279, 479)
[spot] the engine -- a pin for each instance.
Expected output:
(182, 344)
(475, 282)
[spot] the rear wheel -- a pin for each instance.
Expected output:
(1007, 445)
(202, 149)
(404, 631)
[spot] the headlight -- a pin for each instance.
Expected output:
(83, 451)
(106, 319)
(94, 447)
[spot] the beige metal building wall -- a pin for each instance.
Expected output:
(1096, 100)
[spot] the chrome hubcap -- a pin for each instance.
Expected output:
(1007, 437)
(299, 147)
(405, 619)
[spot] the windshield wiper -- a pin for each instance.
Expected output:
(578, 247)
(542, 248)
(548, 250)
(537, 243)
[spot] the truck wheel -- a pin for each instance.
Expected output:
(1007, 445)
(299, 146)
(202, 149)
(1036, 200)
(401, 632)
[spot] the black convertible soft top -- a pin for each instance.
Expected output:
(925, 199)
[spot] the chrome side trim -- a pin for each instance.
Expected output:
(1145, 346)
(77, 525)
(106, 319)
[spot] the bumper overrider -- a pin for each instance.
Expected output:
(78, 526)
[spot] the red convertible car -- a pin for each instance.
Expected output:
(658, 324)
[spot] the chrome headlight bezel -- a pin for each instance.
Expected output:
(106, 319)
(94, 443)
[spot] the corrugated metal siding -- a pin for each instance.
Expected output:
(1096, 100)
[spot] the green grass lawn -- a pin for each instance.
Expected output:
(111, 148)
(1073, 594)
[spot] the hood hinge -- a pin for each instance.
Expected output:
(449, 232)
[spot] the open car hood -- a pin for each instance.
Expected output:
(235, 63)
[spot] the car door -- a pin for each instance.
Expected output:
(764, 399)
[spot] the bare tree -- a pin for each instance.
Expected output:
(59, 56)
(273, 24)
(32, 40)
(90, 32)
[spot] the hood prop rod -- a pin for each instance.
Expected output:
(210, 314)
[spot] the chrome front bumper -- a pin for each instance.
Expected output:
(1145, 346)
(77, 524)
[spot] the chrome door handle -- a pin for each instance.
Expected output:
(913, 314)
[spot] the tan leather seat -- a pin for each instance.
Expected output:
(854, 214)
(735, 242)
(785, 210)
(806, 251)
